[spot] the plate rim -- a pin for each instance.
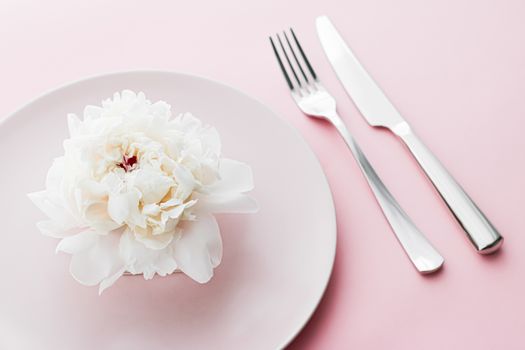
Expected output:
(331, 230)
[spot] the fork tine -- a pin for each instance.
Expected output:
(303, 55)
(295, 57)
(283, 70)
(289, 63)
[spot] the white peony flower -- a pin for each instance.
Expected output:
(136, 191)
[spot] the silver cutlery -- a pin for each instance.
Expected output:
(314, 101)
(379, 111)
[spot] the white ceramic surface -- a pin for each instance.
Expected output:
(276, 263)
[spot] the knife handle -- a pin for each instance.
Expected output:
(423, 255)
(478, 228)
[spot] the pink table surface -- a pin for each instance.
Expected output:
(456, 71)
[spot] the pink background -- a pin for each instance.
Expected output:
(456, 71)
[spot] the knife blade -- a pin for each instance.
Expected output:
(377, 109)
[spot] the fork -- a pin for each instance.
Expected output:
(315, 101)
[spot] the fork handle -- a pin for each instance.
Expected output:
(423, 255)
(478, 228)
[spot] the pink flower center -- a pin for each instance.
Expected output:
(128, 163)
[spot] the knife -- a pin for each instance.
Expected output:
(379, 111)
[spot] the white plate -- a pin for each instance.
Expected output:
(276, 263)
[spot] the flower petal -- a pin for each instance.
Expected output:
(52, 229)
(91, 266)
(74, 124)
(239, 203)
(235, 177)
(199, 249)
(123, 206)
(140, 259)
(155, 242)
(108, 282)
(185, 180)
(153, 185)
(96, 214)
(151, 209)
(53, 207)
(55, 175)
(92, 112)
(77, 243)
